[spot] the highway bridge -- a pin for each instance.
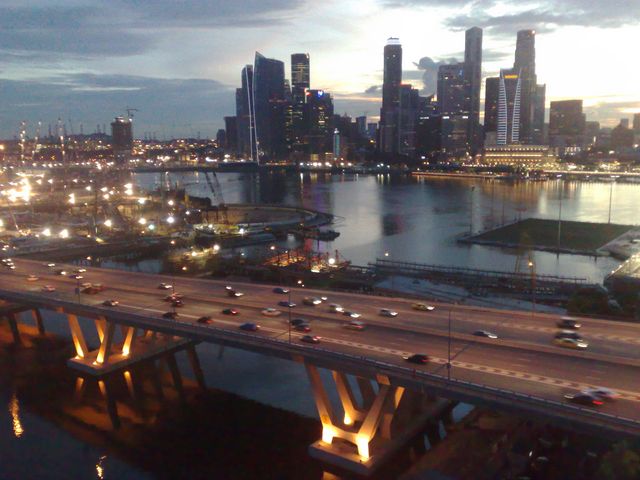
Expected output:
(521, 371)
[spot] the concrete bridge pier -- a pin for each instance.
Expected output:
(37, 317)
(359, 436)
(13, 324)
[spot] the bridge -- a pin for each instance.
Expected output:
(384, 401)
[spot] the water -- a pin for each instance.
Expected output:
(419, 219)
(408, 218)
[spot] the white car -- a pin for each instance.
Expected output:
(271, 312)
(602, 392)
(334, 307)
(165, 286)
(110, 303)
(32, 278)
(570, 343)
(48, 288)
(385, 312)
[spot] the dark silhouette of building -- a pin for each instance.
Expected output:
(300, 83)
(622, 136)
(121, 139)
(407, 119)
(492, 92)
(473, 82)
(525, 64)
(270, 107)
(245, 114)
(636, 123)
(452, 94)
(389, 138)
(567, 123)
(318, 119)
(231, 130)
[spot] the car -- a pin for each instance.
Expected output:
(385, 312)
(32, 278)
(324, 299)
(11, 266)
(230, 311)
(98, 286)
(48, 288)
(568, 334)
(206, 319)
(286, 304)
(90, 290)
(110, 303)
(348, 313)
(311, 301)
(80, 270)
(61, 272)
(76, 276)
(584, 399)
(270, 312)
(177, 303)
(50, 265)
(602, 393)
(173, 296)
(165, 286)
(302, 327)
(419, 358)
(334, 307)
(570, 343)
(484, 333)
(568, 322)
(172, 315)
(423, 307)
(249, 327)
(355, 325)
(281, 291)
(310, 339)
(298, 321)
(86, 285)
(233, 293)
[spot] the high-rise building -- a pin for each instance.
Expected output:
(473, 81)
(361, 124)
(636, 122)
(407, 118)
(318, 115)
(452, 94)
(491, 94)
(245, 114)
(567, 124)
(300, 76)
(539, 99)
(121, 139)
(509, 98)
(270, 107)
(231, 129)
(525, 65)
(392, 79)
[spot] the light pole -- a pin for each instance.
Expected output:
(559, 216)
(613, 179)
(449, 350)
(533, 288)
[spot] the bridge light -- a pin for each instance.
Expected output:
(64, 233)
(363, 446)
(328, 432)
(142, 221)
(347, 419)
(108, 223)
(170, 220)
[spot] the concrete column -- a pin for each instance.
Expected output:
(351, 413)
(37, 317)
(78, 337)
(175, 372)
(106, 341)
(371, 422)
(13, 323)
(366, 390)
(129, 335)
(322, 403)
(156, 380)
(195, 366)
(79, 389)
(112, 407)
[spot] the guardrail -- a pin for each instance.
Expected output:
(396, 372)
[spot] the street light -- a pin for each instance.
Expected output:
(559, 215)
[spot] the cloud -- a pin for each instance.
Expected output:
(374, 89)
(429, 68)
(173, 106)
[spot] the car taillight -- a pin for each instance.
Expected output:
(597, 402)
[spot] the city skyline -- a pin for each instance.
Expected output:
(76, 66)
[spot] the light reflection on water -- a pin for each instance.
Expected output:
(419, 220)
(14, 410)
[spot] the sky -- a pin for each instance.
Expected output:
(178, 62)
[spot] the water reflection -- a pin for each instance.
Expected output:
(14, 410)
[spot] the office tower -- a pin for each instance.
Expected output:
(567, 124)
(622, 136)
(392, 79)
(525, 65)
(473, 81)
(121, 139)
(372, 130)
(592, 130)
(361, 124)
(636, 122)
(318, 119)
(491, 94)
(624, 122)
(452, 95)
(407, 118)
(336, 144)
(245, 114)
(231, 129)
(509, 97)
(300, 76)
(269, 107)
(538, 133)
(221, 137)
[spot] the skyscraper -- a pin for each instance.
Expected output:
(121, 139)
(509, 102)
(269, 107)
(452, 91)
(473, 81)
(567, 124)
(391, 96)
(300, 75)
(636, 123)
(231, 130)
(538, 133)
(491, 95)
(245, 114)
(525, 64)
(318, 115)
(407, 119)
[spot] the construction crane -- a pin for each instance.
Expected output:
(130, 112)
(216, 191)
